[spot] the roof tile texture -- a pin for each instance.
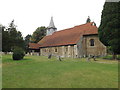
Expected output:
(34, 46)
(68, 36)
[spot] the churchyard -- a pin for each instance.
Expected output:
(41, 72)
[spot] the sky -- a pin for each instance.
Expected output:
(30, 14)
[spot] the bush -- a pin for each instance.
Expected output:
(109, 57)
(118, 57)
(18, 53)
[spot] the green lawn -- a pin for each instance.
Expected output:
(40, 72)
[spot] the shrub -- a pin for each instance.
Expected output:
(109, 57)
(118, 57)
(18, 53)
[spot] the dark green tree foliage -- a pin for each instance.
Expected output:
(18, 53)
(109, 30)
(38, 34)
(27, 41)
(11, 38)
(5, 40)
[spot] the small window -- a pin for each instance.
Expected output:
(55, 49)
(91, 42)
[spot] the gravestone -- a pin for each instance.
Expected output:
(49, 56)
(88, 59)
(59, 58)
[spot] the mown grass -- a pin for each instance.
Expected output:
(40, 72)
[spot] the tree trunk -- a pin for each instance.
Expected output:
(114, 56)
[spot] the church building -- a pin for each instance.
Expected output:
(78, 41)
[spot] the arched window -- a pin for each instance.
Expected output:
(92, 42)
(55, 49)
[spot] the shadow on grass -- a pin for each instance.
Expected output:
(10, 59)
(26, 59)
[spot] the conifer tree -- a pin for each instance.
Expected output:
(11, 38)
(109, 30)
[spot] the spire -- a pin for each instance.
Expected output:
(51, 25)
(51, 28)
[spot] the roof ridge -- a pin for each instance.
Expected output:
(74, 27)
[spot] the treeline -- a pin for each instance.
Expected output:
(12, 38)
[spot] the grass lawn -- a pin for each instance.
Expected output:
(40, 72)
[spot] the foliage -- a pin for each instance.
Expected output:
(38, 34)
(18, 53)
(110, 57)
(27, 41)
(11, 38)
(109, 50)
(109, 30)
(40, 72)
(5, 39)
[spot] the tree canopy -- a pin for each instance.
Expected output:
(11, 38)
(38, 34)
(27, 41)
(109, 30)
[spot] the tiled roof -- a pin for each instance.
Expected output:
(68, 36)
(34, 46)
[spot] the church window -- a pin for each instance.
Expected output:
(55, 49)
(92, 42)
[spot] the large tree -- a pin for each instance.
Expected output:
(109, 30)
(11, 38)
(38, 34)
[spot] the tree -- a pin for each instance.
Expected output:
(16, 38)
(109, 30)
(18, 53)
(5, 40)
(38, 34)
(11, 38)
(27, 41)
(1, 27)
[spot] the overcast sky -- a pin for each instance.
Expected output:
(30, 14)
